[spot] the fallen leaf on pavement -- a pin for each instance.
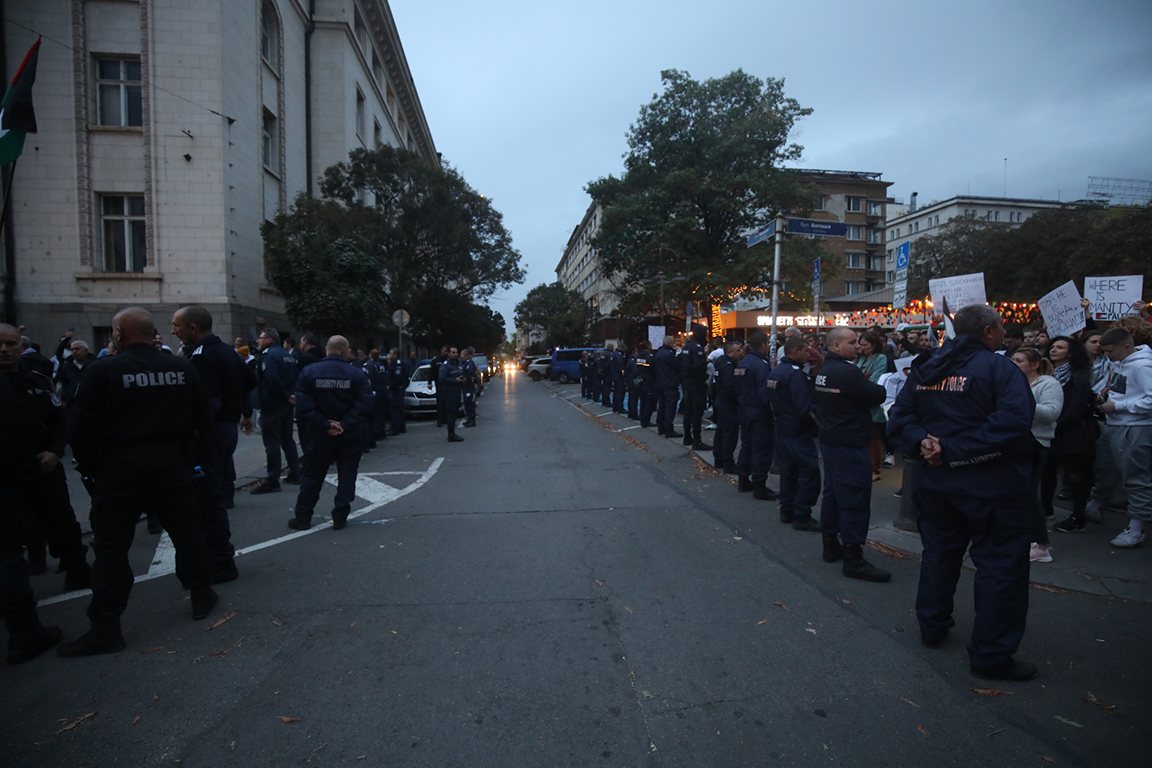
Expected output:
(75, 723)
(1049, 760)
(598, 583)
(361, 757)
(1073, 723)
(225, 651)
(1001, 730)
(889, 551)
(289, 719)
(227, 616)
(352, 625)
(921, 729)
(232, 746)
(846, 602)
(783, 606)
(909, 701)
(762, 621)
(277, 622)
(992, 692)
(136, 720)
(629, 609)
(809, 629)
(151, 650)
(633, 676)
(1093, 700)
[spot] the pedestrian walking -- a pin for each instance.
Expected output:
(334, 399)
(757, 438)
(793, 401)
(969, 411)
(276, 374)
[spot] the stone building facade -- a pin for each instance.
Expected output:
(169, 131)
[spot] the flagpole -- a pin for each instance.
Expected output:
(7, 195)
(9, 248)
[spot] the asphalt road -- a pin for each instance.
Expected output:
(556, 593)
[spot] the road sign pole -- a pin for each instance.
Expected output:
(776, 283)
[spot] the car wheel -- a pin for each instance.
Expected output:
(535, 375)
(563, 377)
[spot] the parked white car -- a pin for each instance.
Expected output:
(420, 394)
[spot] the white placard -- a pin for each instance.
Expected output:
(656, 334)
(1062, 311)
(1112, 297)
(957, 292)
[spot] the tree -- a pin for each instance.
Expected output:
(702, 171)
(434, 241)
(556, 312)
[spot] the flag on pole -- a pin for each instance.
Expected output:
(17, 118)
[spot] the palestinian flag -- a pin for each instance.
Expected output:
(17, 118)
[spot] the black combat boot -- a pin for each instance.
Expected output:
(832, 549)
(744, 485)
(805, 523)
(224, 571)
(103, 637)
(77, 572)
(27, 639)
(856, 567)
(762, 492)
(729, 468)
(203, 599)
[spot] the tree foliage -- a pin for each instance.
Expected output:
(428, 243)
(556, 312)
(702, 171)
(1051, 247)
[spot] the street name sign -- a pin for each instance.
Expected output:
(817, 227)
(762, 234)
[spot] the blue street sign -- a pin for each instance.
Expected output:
(902, 252)
(816, 271)
(762, 234)
(817, 227)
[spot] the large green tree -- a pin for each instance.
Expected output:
(556, 312)
(416, 236)
(702, 171)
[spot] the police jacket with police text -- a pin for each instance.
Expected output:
(32, 421)
(140, 402)
(980, 407)
(450, 371)
(844, 400)
(275, 377)
(396, 376)
(333, 390)
(793, 399)
(726, 402)
(646, 368)
(667, 369)
(752, 387)
(226, 378)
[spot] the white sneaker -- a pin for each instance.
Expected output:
(1093, 513)
(1039, 554)
(1128, 539)
(890, 460)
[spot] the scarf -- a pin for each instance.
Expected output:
(1063, 373)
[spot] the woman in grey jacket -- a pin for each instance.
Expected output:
(1049, 397)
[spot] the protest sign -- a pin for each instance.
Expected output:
(656, 336)
(952, 293)
(1062, 311)
(1112, 297)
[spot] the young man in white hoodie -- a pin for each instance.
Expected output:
(1124, 452)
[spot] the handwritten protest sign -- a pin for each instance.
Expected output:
(1112, 297)
(957, 292)
(656, 336)
(1062, 311)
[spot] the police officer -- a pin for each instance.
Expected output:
(844, 399)
(755, 415)
(585, 388)
(452, 378)
(468, 389)
(726, 408)
(667, 389)
(374, 367)
(793, 404)
(968, 412)
(694, 378)
(142, 423)
(229, 383)
(607, 364)
(275, 380)
(436, 363)
(334, 399)
(396, 378)
(646, 369)
(594, 378)
(632, 382)
(32, 438)
(310, 351)
(617, 366)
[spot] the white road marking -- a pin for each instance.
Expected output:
(634, 426)
(376, 493)
(606, 413)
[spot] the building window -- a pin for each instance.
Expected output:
(855, 232)
(891, 255)
(855, 204)
(996, 216)
(937, 219)
(122, 219)
(819, 204)
(118, 92)
(391, 99)
(875, 235)
(377, 69)
(855, 260)
(361, 115)
(377, 135)
(268, 142)
(916, 226)
(268, 35)
(361, 32)
(876, 209)
(876, 263)
(854, 287)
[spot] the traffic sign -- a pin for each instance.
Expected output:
(899, 295)
(400, 318)
(815, 271)
(902, 252)
(817, 227)
(901, 274)
(762, 234)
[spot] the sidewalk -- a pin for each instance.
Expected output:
(1082, 562)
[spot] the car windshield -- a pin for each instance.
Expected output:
(423, 374)
(481, 361)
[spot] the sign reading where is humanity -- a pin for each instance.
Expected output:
(1062, 310)
(1112, 297)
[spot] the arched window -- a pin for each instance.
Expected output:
(269, 35)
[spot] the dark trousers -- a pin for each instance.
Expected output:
(666, 410)
(606, 391)
(16, 598)
(451, 409)
(276, 429)
(1076, 466)
(46, 499)
(594, 387)
(585, 388)
(383, 407)
(345, 451)
(647, 404)
(694, 398)
(1039, 518)
(757, 444)
(468, 398)
(634, 403)
(214, 523)
(799, 475)
(847, 505)
(998, 531)
(724, 441)
(396, 411)
(116, 508)
(307, 445)
(618, 394)
(439, 407)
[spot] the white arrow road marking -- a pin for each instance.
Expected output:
(377, 494)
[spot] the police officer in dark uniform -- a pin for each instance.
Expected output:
(229, 383)
(667, 389)
(334, 399)
(396, 378)
(585, 388)
(617, 365)
(606, 366)
(726, 408)
(310, 351)
(632, 382)
(452, 378)
(33, 433)
(141, 427)
(844, 400)
(468, 389)
(275, 380)
(694, 378)
(755, 414)
(374, 368)
(646, 369)
(594, 378)
(794, 405)
(436, 363)
(969, 412)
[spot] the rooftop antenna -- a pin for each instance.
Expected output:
(1005, 177)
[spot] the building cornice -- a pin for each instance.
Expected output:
(378, 17)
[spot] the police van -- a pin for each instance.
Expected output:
(566, 363)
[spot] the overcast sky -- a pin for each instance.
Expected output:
(531, 99)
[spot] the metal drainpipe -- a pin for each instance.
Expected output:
(308, 92)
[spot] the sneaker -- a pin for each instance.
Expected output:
(890, 460)
(1039, 554)
(1070, 525)
(1094, 513)
(1128, 539)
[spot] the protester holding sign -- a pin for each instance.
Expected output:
(1062, 311)
(1114, 297)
